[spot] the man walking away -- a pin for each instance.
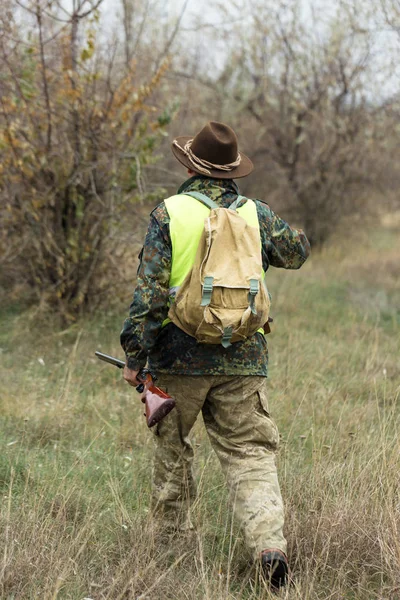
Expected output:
(197, 318)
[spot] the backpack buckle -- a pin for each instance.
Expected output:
(207, 291)
(253, 291)
(226, 337)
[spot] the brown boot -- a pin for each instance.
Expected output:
(274, 567)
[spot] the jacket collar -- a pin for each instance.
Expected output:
(213, 188)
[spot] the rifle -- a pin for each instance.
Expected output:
(158, 403)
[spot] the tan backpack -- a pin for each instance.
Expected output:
(223, 298)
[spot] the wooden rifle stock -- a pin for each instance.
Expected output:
(158, 403)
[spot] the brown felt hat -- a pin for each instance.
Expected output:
(213, 152)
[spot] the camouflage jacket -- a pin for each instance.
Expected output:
(168, 349)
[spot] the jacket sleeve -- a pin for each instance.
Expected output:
(282, 246)
(149, 306)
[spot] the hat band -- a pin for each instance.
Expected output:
(203, 166)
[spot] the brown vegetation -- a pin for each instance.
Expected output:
(78, 129)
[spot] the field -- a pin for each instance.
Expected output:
(75, 462)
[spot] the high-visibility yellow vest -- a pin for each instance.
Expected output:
(186, 226)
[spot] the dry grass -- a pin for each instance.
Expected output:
(75, 463)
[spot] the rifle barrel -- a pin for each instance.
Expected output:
(110, 359)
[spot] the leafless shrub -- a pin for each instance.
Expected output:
(307, 97)
(77, 130)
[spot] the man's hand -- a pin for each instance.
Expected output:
(131, 377)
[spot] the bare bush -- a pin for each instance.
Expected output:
(302, 95)
(306, 93)
(77, 130)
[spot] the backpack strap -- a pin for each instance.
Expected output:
(203, 199)
(238, 200)
(210, 203)
(208, 281)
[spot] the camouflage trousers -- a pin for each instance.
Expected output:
(236, 417)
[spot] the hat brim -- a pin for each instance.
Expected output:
(244, 169)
